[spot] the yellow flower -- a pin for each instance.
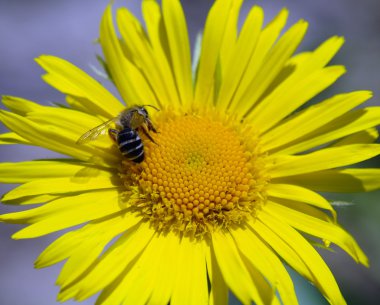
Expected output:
(227, 191)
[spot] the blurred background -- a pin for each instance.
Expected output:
(69, 28)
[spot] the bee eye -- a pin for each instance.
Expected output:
(143, 111)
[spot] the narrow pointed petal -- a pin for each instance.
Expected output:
(128, 79)
(313, 118)
(299, 194)
(179, 46)
(57, 139)
(101, 180)
(322, 159)
(72, 81)
(276, 271)
(347, 180)
(144, 57)
(26, 171)
(10, 138)
(191, 283)
(114, 262)
(266, 263)
(219, 288)
(343, 126)
(234, 71)
(232, 267)
(67, 245)
(167, 272)
(303, 90)
(230, 34)
(368, 136)
(211, 43)
(272, 65)
(299, 254)
(258, 60)
(64, 213)
(90, 245)
(322, 229)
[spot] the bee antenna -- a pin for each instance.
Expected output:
(154, 107)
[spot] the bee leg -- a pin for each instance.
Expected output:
(113, 134)
(147, 134)
(150, 125)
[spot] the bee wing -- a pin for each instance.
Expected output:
(95, 132)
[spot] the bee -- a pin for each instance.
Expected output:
(128, 124)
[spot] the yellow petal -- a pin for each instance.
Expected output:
(142, 273)
(299, 254)
(284, 250)
(67, 245)
(58, 116)
(64, 213)
(78, 124)
(12, 138)
(278, 105)
(159, 42)
(55, 138)
(26, 171)
(113, 263)
(313, 118)
(19, 105)
(235, 70)
(308, 61)
(271, 265)
(347, 180)
(77, 103)
(346, 124)
(211, 43)
(219, 288)
(326, 51)
(325, 230)
(304, 209)
(49, 185)
(300, 194)
(294, 73)
(362, 137)
(266, 290)
(128, 79)
(233, 267)
(258, 60)
(159, 75)
(230, 34)
(272, 65)
(158, 39)
(179, 46)
(90, 244)
(31, 200)
(70, 121)
(244, 243)
(167, 270)
(70, 80)
(191, 283)
(322, 159)
(155, 29)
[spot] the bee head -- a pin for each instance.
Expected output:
(140, 110)
(144, 113)
(135, 117)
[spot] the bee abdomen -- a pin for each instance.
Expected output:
(130, 145)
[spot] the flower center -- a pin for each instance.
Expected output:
(198, 175)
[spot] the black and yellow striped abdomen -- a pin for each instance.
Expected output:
(130, 145)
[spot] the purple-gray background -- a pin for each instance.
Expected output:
(68, 29)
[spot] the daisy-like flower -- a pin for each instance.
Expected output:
(226, 194)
